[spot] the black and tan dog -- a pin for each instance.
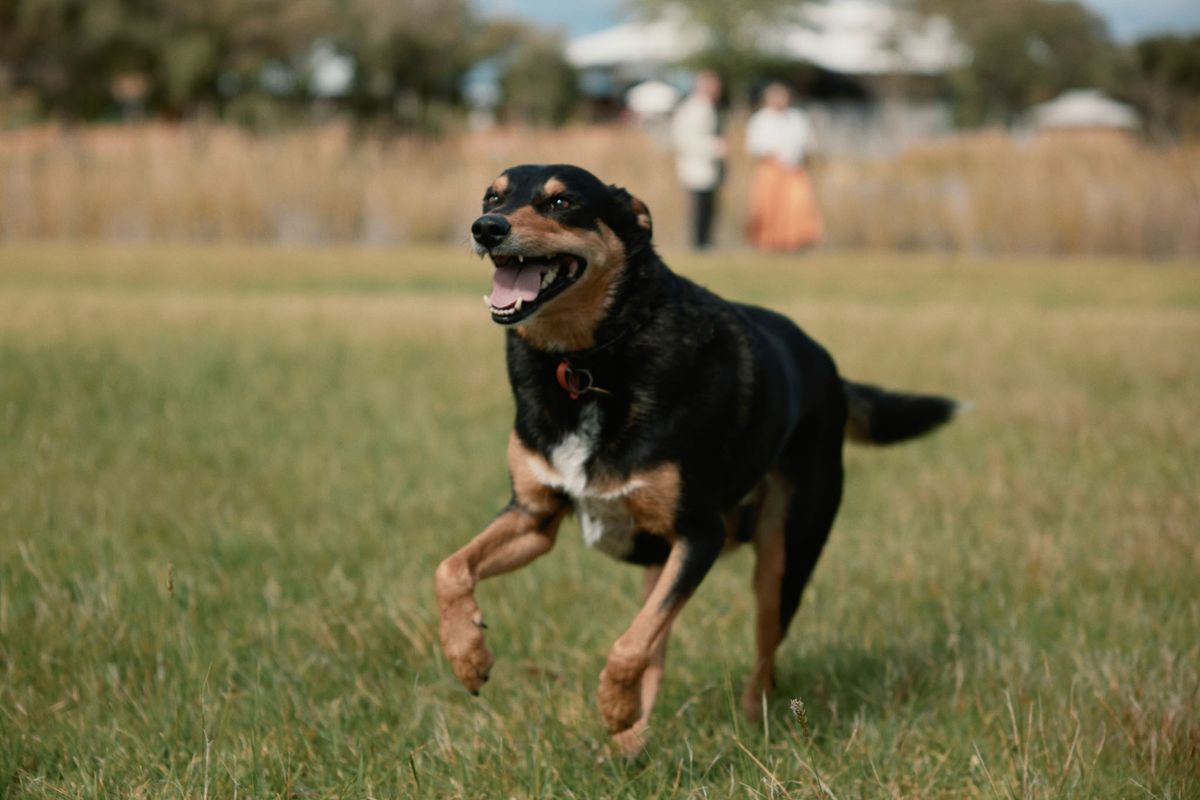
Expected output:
(671, 421)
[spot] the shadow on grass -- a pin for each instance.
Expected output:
(842, 682)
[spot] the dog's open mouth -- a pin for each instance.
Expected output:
(521, 284)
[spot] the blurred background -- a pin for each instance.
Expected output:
(1028, 126)
(250, 398)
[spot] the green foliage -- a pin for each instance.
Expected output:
(71, 51)
(410, 56)
(1175, 60)
(538, 86)
(54, 45)
(1024, 52)
(1163, 79)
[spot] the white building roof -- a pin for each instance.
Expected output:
(1084, 108)
(848, 36)
(867, 37)
(663, 41)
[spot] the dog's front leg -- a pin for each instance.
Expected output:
(516, 537)
(620, 693)
(632, 740)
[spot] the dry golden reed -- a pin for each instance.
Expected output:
(984, 192)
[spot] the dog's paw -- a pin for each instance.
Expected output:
(461, 632)
(760, 685)
(631, 742)
(620, 694)
(752, 705)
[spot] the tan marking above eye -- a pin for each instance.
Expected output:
(500, 184)
(553, 186)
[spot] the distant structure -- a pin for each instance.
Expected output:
(1084, 112)
(870, 71)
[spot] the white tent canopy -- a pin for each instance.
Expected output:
(1084, 108)
(652, 97)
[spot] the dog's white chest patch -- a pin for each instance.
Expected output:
(603, 515)
(570, 456)
(607, 525)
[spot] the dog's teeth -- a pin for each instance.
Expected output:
(520, 302)
(521, 259)
(487, 300)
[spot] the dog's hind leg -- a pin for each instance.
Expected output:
(810, 518)
(633, 739)
(769, 563)
(787, 547)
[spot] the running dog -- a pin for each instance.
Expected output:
(671, 421)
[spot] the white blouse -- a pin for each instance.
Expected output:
(697, 144)
(786, 135)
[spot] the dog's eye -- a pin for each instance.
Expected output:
(560, 203)
(490, 199)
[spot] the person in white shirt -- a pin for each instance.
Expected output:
(783, 210)
(700, 152)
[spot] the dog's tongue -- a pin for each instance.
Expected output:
(510, 284)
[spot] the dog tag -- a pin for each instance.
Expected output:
(573, 381)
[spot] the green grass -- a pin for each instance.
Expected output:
(227, 475)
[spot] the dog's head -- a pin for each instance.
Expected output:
(559, 240)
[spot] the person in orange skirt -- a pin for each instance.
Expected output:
(783, 208)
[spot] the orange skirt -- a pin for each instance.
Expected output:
(783, 208)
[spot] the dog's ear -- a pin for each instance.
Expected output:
(638, 227)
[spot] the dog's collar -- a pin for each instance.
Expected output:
(577, 381)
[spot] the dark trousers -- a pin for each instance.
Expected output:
(703, 207)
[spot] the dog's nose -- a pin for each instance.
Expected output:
(490, 229)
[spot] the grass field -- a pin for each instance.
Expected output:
(227, 475)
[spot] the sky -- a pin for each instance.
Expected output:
(1128, 19)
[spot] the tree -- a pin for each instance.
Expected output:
(1024, 52)
(70, 52)
(67, 51)
(411, 55)
(539, 85)
(1163, 80)
(201, 46)
(233, 54)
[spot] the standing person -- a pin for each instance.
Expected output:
(783, 208)
(700, 152)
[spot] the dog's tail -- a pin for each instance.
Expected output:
(879, 416)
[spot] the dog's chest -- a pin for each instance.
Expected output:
(603, 511)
